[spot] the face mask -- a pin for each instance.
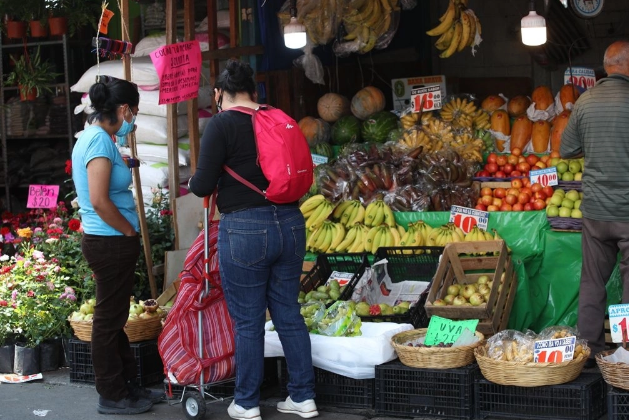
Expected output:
(126, 127)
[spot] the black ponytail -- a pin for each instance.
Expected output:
(237, 77)
(108, 94)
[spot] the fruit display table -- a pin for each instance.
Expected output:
(547, 262)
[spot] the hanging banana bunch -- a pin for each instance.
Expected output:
(369, 24)
(459, 28)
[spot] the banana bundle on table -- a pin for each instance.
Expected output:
(412, 119)
(445, 234)
(459, 28)
(316, 210)
(383, 236)
(366, 22)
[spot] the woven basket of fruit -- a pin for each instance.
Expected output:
(614, 374)
(508, 358)
(435, 357)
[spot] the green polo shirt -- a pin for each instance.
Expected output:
(599, 128)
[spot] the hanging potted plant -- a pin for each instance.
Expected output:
(58, 19)
(12, 18)
(38, 18)
(82, 14)
(32, 75)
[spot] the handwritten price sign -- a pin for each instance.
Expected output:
(618, 315)
(466, 218)
(426, 98)
(582, 77)
(554, 351)
(42, 196)
(544, 177)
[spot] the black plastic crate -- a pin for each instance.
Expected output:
(617, 404)
(582, 399)
(335, 390)
(327, 263)
(410, 392)
(149, 362)
(417, 263)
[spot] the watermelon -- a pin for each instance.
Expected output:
(346, 130)
(377, 127)
(323, 149)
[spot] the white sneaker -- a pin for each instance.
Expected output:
(305, 409)
(237, 412)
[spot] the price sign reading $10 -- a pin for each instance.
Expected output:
(466, 218)
(618, 315)
(544, 177)
(555, 350)
(426, 98)
(42, 196)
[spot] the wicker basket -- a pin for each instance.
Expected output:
(432, 357)
(614, 374)
(528, 374)
(138, 330)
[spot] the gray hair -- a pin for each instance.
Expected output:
(617, 55)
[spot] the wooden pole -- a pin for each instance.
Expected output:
(146, 241)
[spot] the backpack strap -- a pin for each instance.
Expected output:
(243, 181)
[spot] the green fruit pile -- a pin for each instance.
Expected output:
(568, 169)
(365, 309)
(327, 294)
(565, 204)
(471, 294)
(312, 313)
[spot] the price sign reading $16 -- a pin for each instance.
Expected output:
(42, 196)
(555, 350)
(544, 177)
(618, 315)
(426, 98)
(466, 218)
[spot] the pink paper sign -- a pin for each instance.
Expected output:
(179, 70)
(42, 196)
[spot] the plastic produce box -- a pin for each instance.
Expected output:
(582, 399)
(617, 404)
(149, 362)
(411, 392)
(335, 390)
(325, 264)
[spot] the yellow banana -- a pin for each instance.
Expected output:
(472, 235)
(388, 235)
(448, 18)
(377, 239)
(360, 216)
(458, 29)
(445, 39)
(339, 235)
(472, 19)
(358, 16)
(352, 213)
(375, 16)
(389, 218)
(314, 215)
(358, 244)
(401, 230)
(369, 238)
(347, 213)
(396, 236)
(314, 237)
(329, 234)
(327, 210)
(340, 208)
(310, 204)
(479, 28)
(348, 240)
(370, 212)
(465, 33)
(320, 239)
(379, 217)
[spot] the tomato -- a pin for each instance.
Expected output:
(539, 204)
(500, 192)
(500, 174)
(486, 191)
(512, 159)
(523, 198)
(518, 207)
(481, 207)
(506, 207)
(532, 159)
(511, 199)
(493, 208)
(516, 183)
(501, 160)
(536, 187)
(528, 207)
(523, 167)
(508, 168)
(516, 151)
(491, 158)
(491, 167)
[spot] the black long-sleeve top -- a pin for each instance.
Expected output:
(228, 139)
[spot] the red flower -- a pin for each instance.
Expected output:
(5, 230)
(69, 167)
(3, 303)
(74, 225)
(30, 294)
(165, 212)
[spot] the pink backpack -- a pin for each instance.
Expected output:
(178, 343)
(283, 155)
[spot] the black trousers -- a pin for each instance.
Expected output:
(601, 242)
(113, 261)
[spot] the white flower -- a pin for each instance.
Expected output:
(38, 255)
(75, 203)
(51, 240)
(5, 257)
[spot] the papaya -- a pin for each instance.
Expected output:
(492, 103)
(568, 94)
(518, 105)
(540, 136)
(543, 97)
(559, 125)
(500, 123)
(521, 132)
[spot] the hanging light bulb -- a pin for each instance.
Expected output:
(294, 32)
(533, 28)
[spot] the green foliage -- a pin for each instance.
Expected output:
(31, 72)
(80, 13)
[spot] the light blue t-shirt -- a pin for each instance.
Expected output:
(95, 143)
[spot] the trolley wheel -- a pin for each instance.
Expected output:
(193, 405)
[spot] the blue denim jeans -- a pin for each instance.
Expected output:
(261, 252)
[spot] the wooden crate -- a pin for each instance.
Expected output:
(496, 184)
(502, 311)
(461, 264)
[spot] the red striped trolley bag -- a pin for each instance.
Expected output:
(197, 341)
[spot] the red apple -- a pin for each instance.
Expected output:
(523, 167)
(493, 208)
(523, 198)
(479, 201)
(536, 187)
(516, 183)
(500, 192)
(526, 190)
(511, 199)
(491, 158)
(501, 160)
(516, 173)
(548, 190)
(491, 168)
(483, 174)
(486, 191)
(528, 207)
(497, 202)
(481, 207)
(500, 174)
(512, 159)
(513, 191)
(487, 200)
(532, 159)
(508, 168)
(506, 207)
(539, 195)
(516, 151)
(539, 204)
(518, 207)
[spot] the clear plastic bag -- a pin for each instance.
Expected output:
(311, 65)
(408, 4)
(340, 320)
(312, 312)
(385, 39)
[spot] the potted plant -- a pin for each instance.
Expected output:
(32, 75)
(38, 18)
(13, 18)
(57, 20)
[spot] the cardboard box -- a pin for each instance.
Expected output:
(402, 89)
(168, 293)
